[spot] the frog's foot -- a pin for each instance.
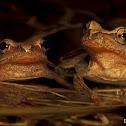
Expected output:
(81, 86)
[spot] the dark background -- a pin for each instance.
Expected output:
(20, 20)
(23, 20)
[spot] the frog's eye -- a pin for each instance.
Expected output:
(43, 43)
(4, 46)
(121, 36)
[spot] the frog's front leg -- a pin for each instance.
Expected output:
(80, 86)
(52, 75)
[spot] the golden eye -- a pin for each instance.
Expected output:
(121, 36)
(4, 46)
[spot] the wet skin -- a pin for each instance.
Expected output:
(25, 60)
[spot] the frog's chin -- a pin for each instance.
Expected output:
(17, 72)
(26, 74)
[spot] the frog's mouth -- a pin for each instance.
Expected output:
(26, 61)
(24, 66)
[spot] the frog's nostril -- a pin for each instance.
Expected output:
(27, 48)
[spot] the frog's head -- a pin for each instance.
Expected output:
(97, 39)
(22, 59)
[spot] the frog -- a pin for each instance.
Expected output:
(107, 63)
(71, 63)
(26, 60)
(107, 58)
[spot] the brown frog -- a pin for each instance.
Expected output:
(107, 51)
(25, 60)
